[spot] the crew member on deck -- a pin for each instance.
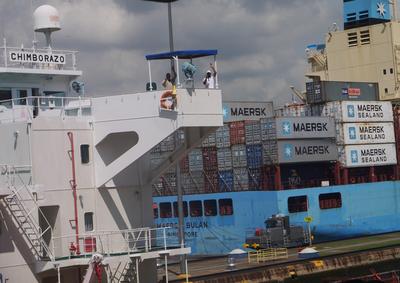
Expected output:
(169, 81)
(209, 80)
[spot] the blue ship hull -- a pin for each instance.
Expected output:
(366, 209)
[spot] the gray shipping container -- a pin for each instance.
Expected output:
(268, 129)
(224, 156)
(193, 182)
(270, 152)
(326, 91)
(196, 160)
(239, 156)
(240, 111)
(240, 179)
(296, 151)
(305, 127)
(253, 132)
(223, 137)
(209, 141)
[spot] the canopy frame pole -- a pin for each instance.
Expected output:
(216, 70)
(176, 60)
(151, 82)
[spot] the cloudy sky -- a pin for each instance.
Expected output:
(261, 42)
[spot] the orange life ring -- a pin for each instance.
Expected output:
(167, 100)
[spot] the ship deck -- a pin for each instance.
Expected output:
(202, 268)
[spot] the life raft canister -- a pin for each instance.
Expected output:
(167, 100)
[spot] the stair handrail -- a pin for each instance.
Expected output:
(36, 225)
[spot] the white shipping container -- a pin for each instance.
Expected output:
(367, 155)
(365, 133)
(359, 111)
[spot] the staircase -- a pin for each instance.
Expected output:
(127, 273)
(22, 206)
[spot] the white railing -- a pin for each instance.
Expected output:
(23, 201)
(112, 243)
(23, 109)
(69, 64)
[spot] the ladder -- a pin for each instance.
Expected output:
(127, 274)
(24, 216)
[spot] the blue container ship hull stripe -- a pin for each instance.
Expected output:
(213, 235)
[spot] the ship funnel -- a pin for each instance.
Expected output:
(47, 20)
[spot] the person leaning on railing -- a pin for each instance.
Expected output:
(169, 80)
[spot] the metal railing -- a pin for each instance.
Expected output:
(70, 63)
(23, 109)
(17, 204)
(112, 243)
(267, 255)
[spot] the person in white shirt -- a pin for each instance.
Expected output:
(209, 80)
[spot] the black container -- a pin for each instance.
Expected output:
(326, 91)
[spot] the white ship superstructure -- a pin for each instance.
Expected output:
(75, 177)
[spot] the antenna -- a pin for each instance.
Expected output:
(34, 33)
(394, 3)
(47, 20)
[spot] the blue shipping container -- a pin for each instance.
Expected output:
(225, 180)
(254, 156)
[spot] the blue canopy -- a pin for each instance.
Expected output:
(183, 54)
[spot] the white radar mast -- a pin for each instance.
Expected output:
(47, 20)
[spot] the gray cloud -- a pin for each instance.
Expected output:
(261, 42)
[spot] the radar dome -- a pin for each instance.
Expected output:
(47, 19)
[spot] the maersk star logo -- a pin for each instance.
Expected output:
(225, 112)
(286, 128)
(354, 156)
(350, 111)
(352, 133)
(288, 151)
(381, 9)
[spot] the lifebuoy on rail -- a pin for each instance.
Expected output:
(167, 100)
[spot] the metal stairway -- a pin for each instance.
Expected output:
(127, 274)
(23, 214)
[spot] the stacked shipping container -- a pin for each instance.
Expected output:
(271, 153)
(365, 137)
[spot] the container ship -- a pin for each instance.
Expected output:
(331, 160)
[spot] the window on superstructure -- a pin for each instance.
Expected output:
(386, 91)
(297, 204)
(225, 206)
(55, 98)
(5, 97)
(351, 17)
(185, 209)
(384, 71)
(210, 207)
(165, 210)
(85, 154)
(363, 15)
(88, 221)
(196, 209)
(391, 70)
(364, 37)
(352, 39)
(155, 211)
(328, 201)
